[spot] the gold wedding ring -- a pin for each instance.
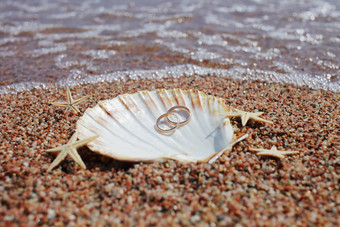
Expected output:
(171, 122)
(181, 123)
(166, 131)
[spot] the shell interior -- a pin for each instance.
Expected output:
(126, 126)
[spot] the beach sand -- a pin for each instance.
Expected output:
(239, 188)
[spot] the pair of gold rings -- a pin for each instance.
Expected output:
(174, 124)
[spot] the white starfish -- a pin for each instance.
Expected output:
(71, 149)
(70, 103)
(272, 152)
(245, 116)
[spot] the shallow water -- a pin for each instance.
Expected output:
(48, 42)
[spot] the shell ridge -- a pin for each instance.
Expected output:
(195, 127)
(105, 126)
(95, 122)
(208, 123)
(221, 143)
(170, 97)
(199, 100)
(215, 107)
(188, 129)
(157, 108)
(195, 115)
(221, 109)
(162, 94)
(204, 104)
(174, 137)
(210, 106)
(121, 156)
(145, 95)
(128, 131)
(178, 94)
(179, 136)
(151, 130)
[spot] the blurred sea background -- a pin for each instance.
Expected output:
(47, 43)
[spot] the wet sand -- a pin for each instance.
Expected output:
(239, 188)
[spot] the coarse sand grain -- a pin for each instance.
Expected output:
(239, 188)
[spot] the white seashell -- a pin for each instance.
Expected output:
(126, 126)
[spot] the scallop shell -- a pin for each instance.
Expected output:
(126, 126)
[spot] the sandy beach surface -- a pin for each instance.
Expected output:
(240, 188)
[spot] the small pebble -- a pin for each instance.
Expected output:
(239, 189)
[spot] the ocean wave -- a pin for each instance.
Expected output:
(78, 77)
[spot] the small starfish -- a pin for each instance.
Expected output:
(71, 149)
(245, 116)
(272, 152)
(70, 104)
